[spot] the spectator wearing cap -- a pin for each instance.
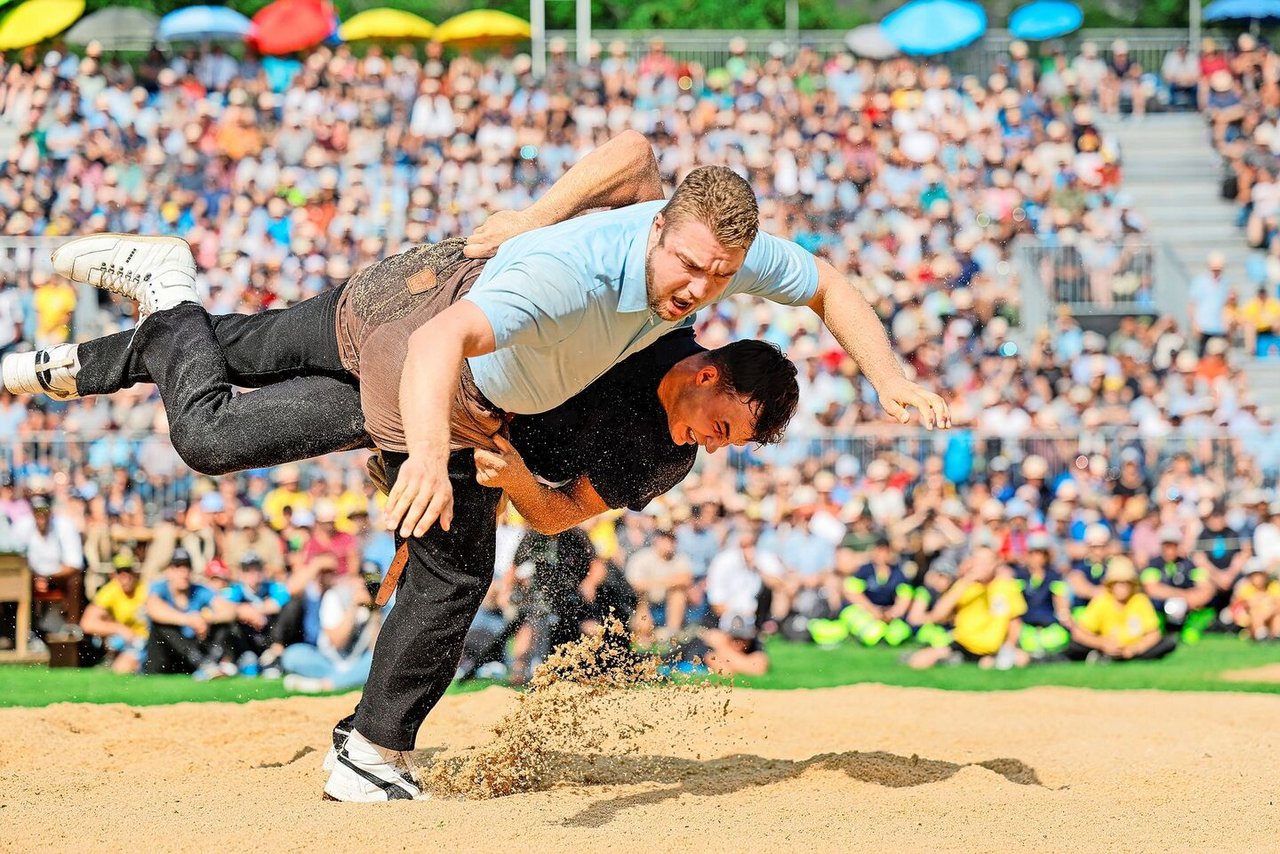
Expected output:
(1208, 296)
(1223, 552)
(117, 616)
(258, 602)
(1085, 577)
(937, 580)
(250, 534)
(53, 550)
(661, 578)
(326, 539)
(985, 606)
(1180, 71)
(285, 494)
(1048, 599)
(1180, 589)
(1121, 623)
(188, 623)
(347, 629)
(1255, 601)
(876, 598)
(1015, 539)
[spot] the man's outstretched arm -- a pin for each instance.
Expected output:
(858, 329)
(621, 172)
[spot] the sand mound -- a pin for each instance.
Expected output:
(864, 768)
(591, 697)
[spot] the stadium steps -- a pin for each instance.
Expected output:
(1175, 178)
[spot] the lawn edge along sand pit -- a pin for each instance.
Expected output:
(864, 767)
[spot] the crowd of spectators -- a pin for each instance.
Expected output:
(286, 176)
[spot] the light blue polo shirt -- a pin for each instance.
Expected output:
(568, 302)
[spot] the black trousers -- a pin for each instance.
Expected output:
(440, 591)
(305, 403)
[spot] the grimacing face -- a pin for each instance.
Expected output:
(686, 268)
(706, 414)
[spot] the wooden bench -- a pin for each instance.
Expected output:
(15, 586)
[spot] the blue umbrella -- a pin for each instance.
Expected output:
(202, 23)
(1046, 19)
(926, 27)
(1242, 10)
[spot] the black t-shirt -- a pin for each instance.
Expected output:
(615, 431)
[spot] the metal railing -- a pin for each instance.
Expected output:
(710, 48)
(163, 481)
(1099, 277)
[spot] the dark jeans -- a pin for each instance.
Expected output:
(305, 405)
(440, 590)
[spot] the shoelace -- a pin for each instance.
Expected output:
(116, 279)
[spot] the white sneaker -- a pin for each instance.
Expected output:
(52, 372)
(156, 272)
(366, 773)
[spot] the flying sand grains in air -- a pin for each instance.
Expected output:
(593, 697)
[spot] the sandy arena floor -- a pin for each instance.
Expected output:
(856, 768)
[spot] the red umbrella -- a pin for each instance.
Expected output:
(286, 26)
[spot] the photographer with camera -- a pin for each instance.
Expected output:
(343, 652)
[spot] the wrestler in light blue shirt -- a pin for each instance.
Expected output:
(569, 301)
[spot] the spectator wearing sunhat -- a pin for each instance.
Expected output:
(1048, 599)
(1179, 588)
(249, 533)
(117, 616)
(1255, 602)
(55, 554)
(1121, 623)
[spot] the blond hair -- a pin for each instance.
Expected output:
(720, 199)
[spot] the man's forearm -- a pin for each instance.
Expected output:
(547, 510)
(621, 172)
(432, 371)
(855, 326)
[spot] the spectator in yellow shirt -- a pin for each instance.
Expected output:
(1121, 623)
(117, 616)
(1255, 603)
(285, 494)
(986, 604)
(1260, 319)
(55, 301)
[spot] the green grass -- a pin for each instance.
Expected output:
(1191, 668)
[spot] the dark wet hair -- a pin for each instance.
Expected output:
(760, 374)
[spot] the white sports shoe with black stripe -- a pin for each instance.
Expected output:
(52, 372)
(366, 773)
(156, 272)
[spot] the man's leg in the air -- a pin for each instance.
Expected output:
(420, 643)
(214, 430)
(260, 349)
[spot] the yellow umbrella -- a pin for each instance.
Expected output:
(36, 20)
(481, 27)
(385, 24)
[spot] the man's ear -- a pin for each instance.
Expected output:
(707, 375)
(659, 223)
